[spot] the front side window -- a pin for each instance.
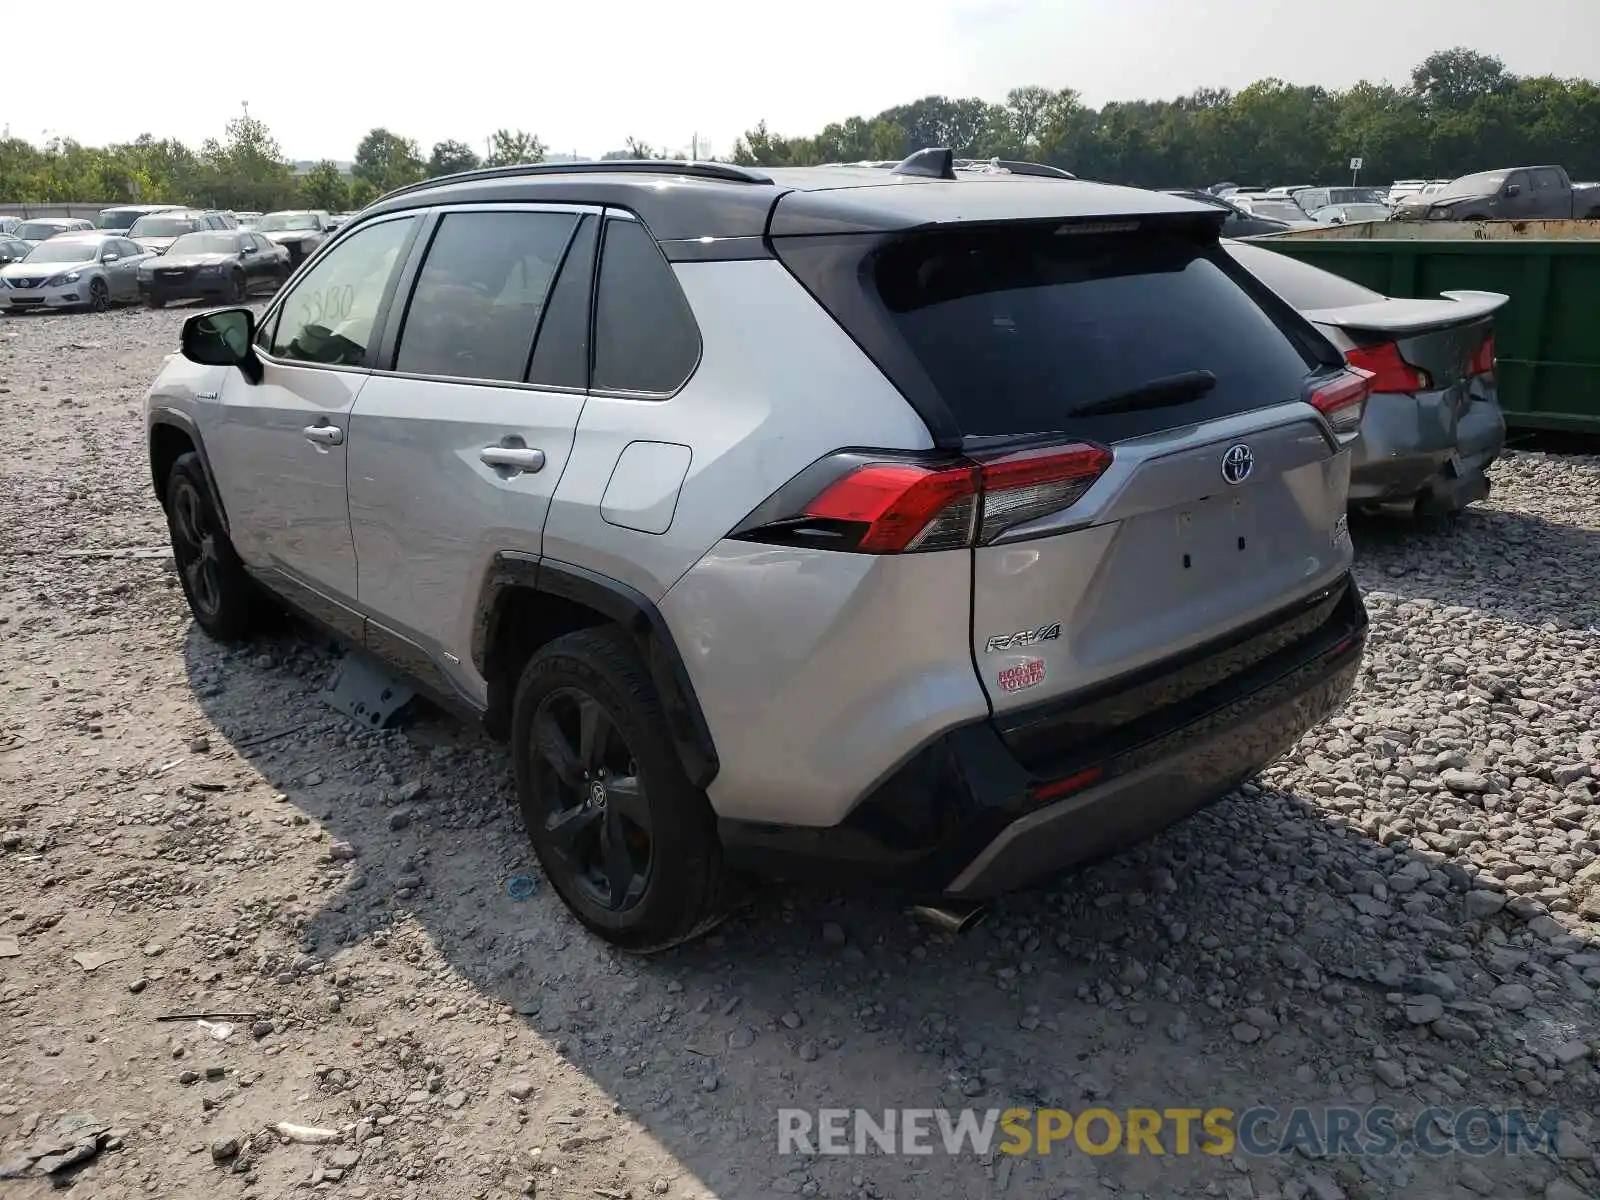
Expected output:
(481, 292)
(645, 337)
(330, 315)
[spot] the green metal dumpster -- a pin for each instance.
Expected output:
(1547, 338)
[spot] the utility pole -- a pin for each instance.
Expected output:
(694, 147)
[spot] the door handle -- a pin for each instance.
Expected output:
(324, 435)
(514, 458)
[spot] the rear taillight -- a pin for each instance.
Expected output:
(1483, 360)
(1342, 400)
(1390, 372)
(899, 507)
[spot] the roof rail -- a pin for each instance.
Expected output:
(936, 162)
(727, 172)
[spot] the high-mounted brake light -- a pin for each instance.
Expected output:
(1483, 360)
(896, 507)
(1342, 400)
(1390, 372)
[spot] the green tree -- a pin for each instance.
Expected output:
(245, 168)
(387, 161)
(508, 147)
(1454, 79)
(362, 193)
(324, 186)
(450, 158)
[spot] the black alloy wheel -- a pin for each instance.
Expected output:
(597, 815)
(194, 547)
(99, 296)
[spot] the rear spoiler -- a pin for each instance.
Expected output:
(1402, 316)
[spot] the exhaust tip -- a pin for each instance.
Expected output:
(952, 918)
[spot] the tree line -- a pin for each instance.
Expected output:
(1461, 112)
(244, 170)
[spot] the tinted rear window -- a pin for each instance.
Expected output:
(1017, 330)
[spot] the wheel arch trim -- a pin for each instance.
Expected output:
(628, 608)
(184, 423)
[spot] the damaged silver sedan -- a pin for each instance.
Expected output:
(1433, 424)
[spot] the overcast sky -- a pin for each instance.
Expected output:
(585, 76)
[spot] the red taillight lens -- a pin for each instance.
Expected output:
(907, 506)
(1390, 372)
(1483, 360)
(1343, 399)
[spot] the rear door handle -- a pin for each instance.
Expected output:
(514, 458)
(324, 435)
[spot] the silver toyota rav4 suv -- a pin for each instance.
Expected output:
(936, 529)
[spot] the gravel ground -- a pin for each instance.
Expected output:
(1399, 913)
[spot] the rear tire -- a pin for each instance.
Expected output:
(223, 599)
(624, 838)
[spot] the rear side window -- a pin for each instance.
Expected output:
(1017, 330)
(480, 294)
(645, 337)
(1302, 285)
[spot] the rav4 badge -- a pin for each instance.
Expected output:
(1023, 637)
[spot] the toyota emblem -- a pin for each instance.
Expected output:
(1238, 460)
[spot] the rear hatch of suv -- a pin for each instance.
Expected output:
(1129, 441)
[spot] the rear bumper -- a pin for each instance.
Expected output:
(1415, 448)
(984, 810)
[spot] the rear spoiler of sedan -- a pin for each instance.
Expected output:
(1398, 316)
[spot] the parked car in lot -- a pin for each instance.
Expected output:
(13, 249)
(955, 656)
(80, 270)
(1237, 221)
(1273, 208)
(230, 264)
(1508, 194)
(247, 220)
(8, 225)
(42, 229)
(1311, 199)
(120, 219)
(1344, 214)
(300, 233)
(158, 231)
(1433, 425)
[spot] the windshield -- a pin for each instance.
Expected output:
(1277, 210)
(37, 231)
(205, 243)
(1353, 212)
(61, 250)
(1484, 183)
(161, 227)
(278, 222)
(118, 218)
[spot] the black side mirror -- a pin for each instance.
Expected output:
(1513, 190)
(223, 339)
